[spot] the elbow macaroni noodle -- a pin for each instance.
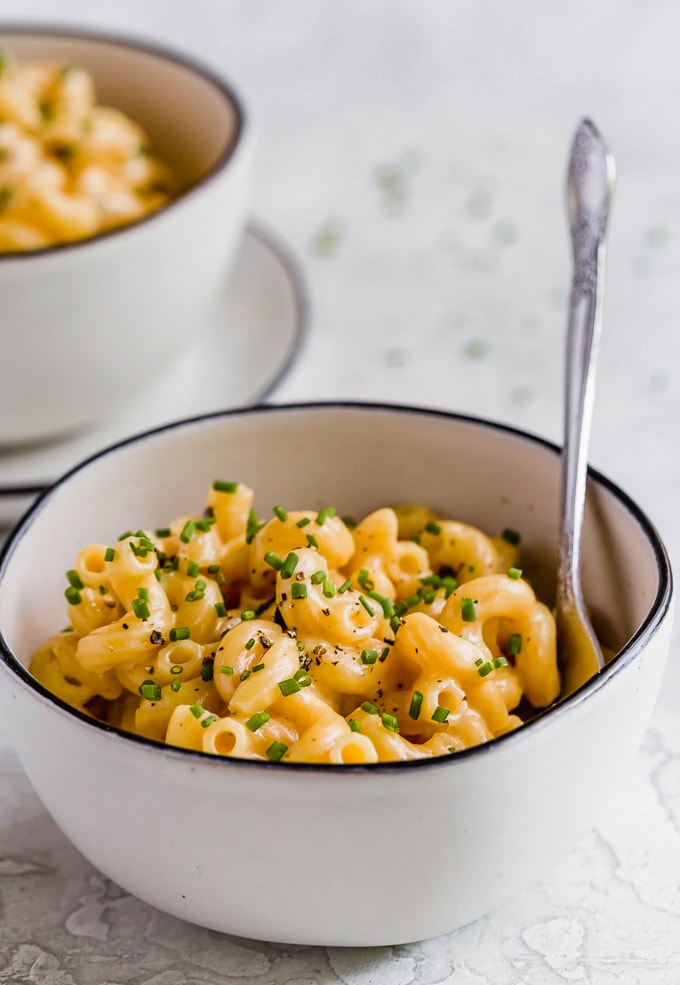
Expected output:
(69, 168)
(304, 638)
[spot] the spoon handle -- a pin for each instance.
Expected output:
(589, 188)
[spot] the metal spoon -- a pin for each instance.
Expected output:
(590, 183)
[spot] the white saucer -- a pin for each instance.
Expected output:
(237, 361)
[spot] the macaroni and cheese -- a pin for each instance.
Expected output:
(69, 167)
(304, 637)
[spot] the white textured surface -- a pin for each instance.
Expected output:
(413, 155)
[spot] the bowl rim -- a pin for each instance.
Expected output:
(658, 609)
(119, 39)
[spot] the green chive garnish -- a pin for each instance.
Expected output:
(257, 720)
(369, 656)
(318, 577)
(175, 685)
(302, 677)
(515, 573)
(73, 596)
(188, 531)
(273, 560)
(221, 609)
(179, 633)
(289, 565)
(109, 554)
(289, 686)
(280, 513)
(176, 669)
(415, 706)
(312, 541)
(226, 670)
(328, 588)
(364, 601)
(74, 579)
(298, 590)
(364, 579)
(354, 725)
(163, 532)
(208, 720)
(390, 722)
(140, 608)
(225, 487)
(440, 714)
(395, 623)
(252, 526)
(143, 593)
(247, 615)
(485, 669)
(251, 643)
(244, 676)
(196, 710)
(346, 585)
(276, 750)
(514, 644)
(387, 607)
(384, 655)
(369, 708)
(257, 667)
(323, 515)
(500, 662)
(304, 522)
(207, 671)
(468, 610)
(192, 569)
(433, 528)
(150, 691)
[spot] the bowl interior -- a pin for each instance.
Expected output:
(191, 118)
(355, 458)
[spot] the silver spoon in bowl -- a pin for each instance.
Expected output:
(590, 182)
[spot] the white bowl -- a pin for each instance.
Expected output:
(346, 855)
(84, 325)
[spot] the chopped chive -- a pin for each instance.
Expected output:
(289, 565)
(400, 608)
(252, 526)
(479, 661)
(273, 560)
(225, 487)
(415, 706)
(318, 577)
(468, 610)
(354, 725)
(450, 585)
(213, 569)
(73, 596)
(208, 720)
(257, 668)
(140, 608)
(128, 533)
(143, 593)
(500, 662)
(276, 751)
(298, 590)
(364, 601)
(440, 714)
(415, 539)
(176, 669)
(433, 528)
(109, 554)
(197, 595)
(192, 569)
(205, 524)
(224, 669)
(515, 573)
(244, 676)
(74, 579)
(103, 590)
(346, 585)
(221, 609)
(369, 656)
(163, 532)
(411, 601)
(279, 512)
(302, 677)
(485, 669)
(369, 708)
(512, 536)
(328, 588)
(179, 633)
(196, 710)
(312, 541)
(324, 514)
(395, 623)
(364, 579)
(390, 722)
(150, 691)
(257, 720)
(384, 655)
(251, 643)
(433, 580)
(175, 685)
(514, 644)
(247, 615)
(304, 522)
(387, 607)
(451, 749)
(289, 686)
(188, 531)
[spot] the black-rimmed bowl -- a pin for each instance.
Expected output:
(323, 854)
